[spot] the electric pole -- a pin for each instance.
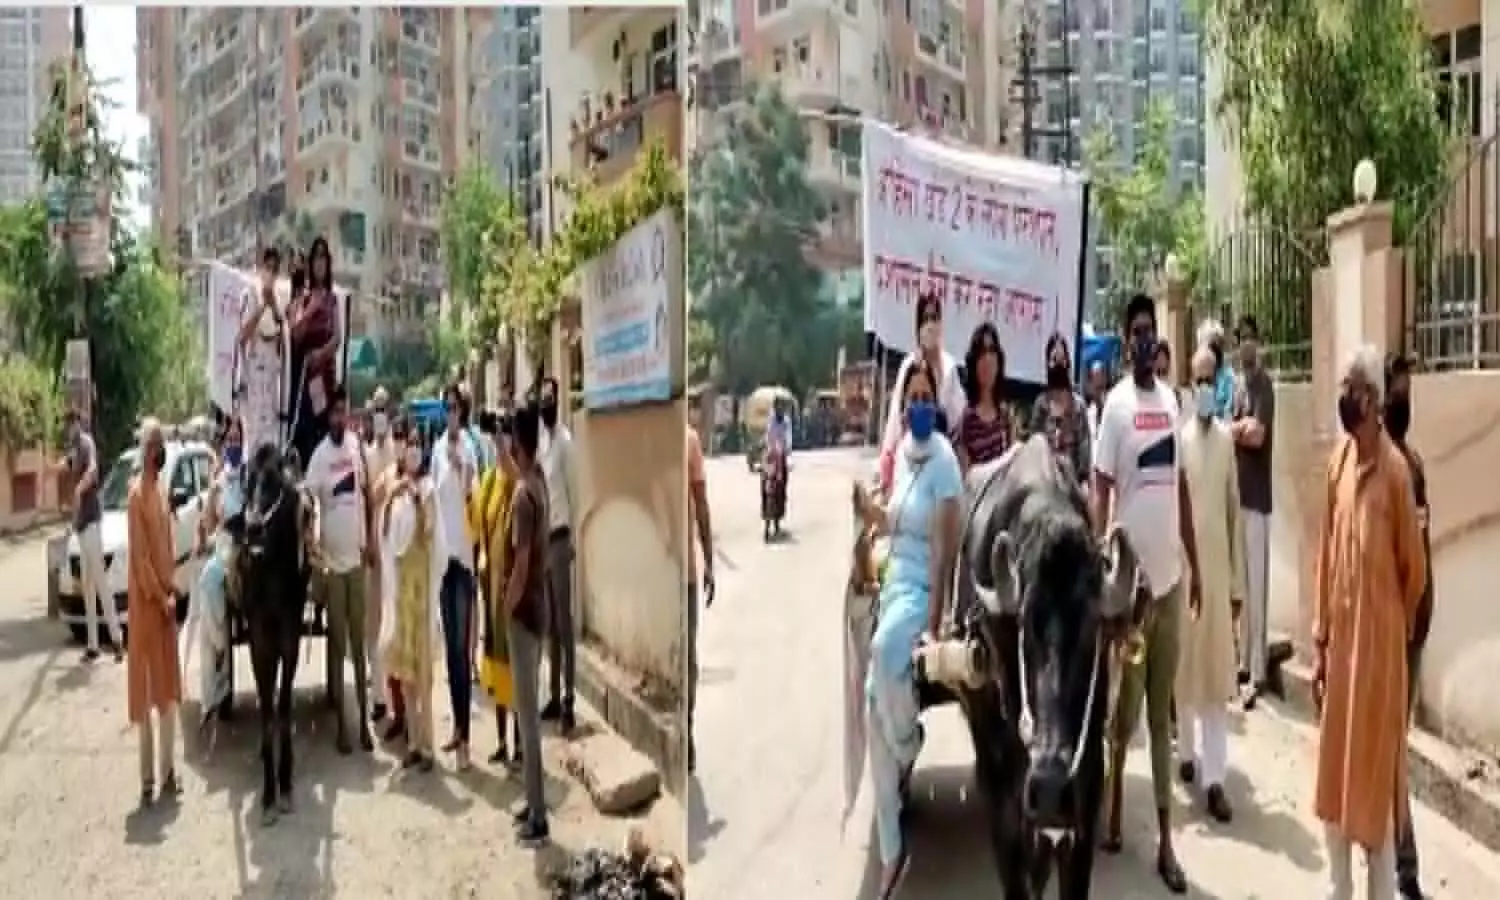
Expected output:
(1027, 93)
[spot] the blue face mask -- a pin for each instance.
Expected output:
(921, 418)
(233, 455)
(1207, 404)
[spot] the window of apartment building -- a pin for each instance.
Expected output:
(802, 51)
(1104, 54)
(1456, 57)
(664, 59)
(628, 82)
(1158, 18)
(851, 7)
(770, 7)
(778, 60)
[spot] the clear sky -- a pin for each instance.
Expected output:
(109, 35)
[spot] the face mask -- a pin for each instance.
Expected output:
(1142, 353)
(1351, 414)
(548, 411)
(1398, 417)
(1203, 397)
(379, 424)
(930, 335)
(921, 418)
(233, 455)
(1057, 375)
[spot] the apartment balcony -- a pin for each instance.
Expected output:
(313, 20)
(420, 215)
(327, 135)
(425, 154)
(818, 87)
(944, 57)
(832, 170)
(608, 147)
(420, 94)
(328, 69)
(840, 241)
(780, 20)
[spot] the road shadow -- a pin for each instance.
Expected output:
(147, 825)
(1278, 833)
(31, 636)
(702, 826)
(32, 696)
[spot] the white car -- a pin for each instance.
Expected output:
(185, 481)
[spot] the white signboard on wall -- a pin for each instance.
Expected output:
(632, 317)
(996, 239)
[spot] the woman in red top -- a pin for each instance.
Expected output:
(984, 432)
(315, 340)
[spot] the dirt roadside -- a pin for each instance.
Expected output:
(68, 784)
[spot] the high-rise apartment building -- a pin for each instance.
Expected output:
(30, 39)
(282, 123)
(509, 109)
(938, 65)
(1123, 56)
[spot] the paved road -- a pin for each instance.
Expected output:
(764, 818)
(68, 794)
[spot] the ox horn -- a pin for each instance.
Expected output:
(1004, 597)
(1120, 574)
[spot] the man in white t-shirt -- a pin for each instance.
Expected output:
(1137, 466)
(556, 457)
(339, 481)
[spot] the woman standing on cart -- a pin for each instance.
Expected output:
(314, 342)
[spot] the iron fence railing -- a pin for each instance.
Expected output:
(1266, 272)
(1450, 289)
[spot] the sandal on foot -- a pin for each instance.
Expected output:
(148, 793)
(1172, 875)
(171, 788)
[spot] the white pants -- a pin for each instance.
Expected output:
(153, 751)
(96, 593)
(1380, 868)
(1203, 739)
(1254, 618)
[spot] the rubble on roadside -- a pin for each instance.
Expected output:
(634, 873)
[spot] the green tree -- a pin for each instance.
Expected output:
(1309, 89)
(751, 217)
(1143, 215)
(144, 348)
(479, 219)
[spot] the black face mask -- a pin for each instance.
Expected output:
(1398, 417)
(548, 412)
(1143, 357)
(1351, 414)
(1057, 375)
(336, 433)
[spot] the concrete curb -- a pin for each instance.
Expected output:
(1438, 771)
(657, 735)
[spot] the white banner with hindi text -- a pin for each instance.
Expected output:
(997, 239)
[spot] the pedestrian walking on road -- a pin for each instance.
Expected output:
(1397, 424)
(380, 460)
(455, 472)
(922, 520)
(526, 609)
(82, 462)
(702, 527)
(560, 471)
(1370, 577)
(1137, 465)
(1205, 676)
(414, 560)
(984, 430)
(153, 669)
(340, 483)
(1253, 427)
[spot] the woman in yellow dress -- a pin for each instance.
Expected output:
(493, 500)
(413, 559)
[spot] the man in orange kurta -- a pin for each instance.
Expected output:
(1370, 576)
(151, 656)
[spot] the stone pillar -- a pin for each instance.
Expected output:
(1174, 322)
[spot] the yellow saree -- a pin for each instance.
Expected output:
(493, 501)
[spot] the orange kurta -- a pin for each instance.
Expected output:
(151, 653)
(1370, 573)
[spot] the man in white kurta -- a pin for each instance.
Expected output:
(1206, 671)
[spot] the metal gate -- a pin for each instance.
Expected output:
(1266, 272)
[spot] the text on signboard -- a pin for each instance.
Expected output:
(962, 206)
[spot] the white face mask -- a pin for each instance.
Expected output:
(379, 424)
(1206, 402)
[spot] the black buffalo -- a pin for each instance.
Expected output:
(1036, 603)
(272, 602)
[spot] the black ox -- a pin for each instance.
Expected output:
(273, 597)
(1037, 603)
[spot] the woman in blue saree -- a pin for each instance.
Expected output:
(921, 519)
